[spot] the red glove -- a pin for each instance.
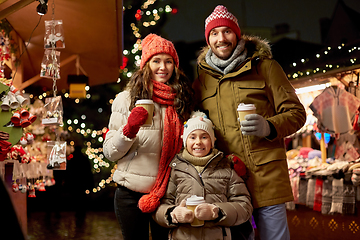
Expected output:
(136, 118)
(239, 166)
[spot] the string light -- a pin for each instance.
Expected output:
(352, 60)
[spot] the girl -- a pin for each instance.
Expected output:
(143, 153)
(202, 170)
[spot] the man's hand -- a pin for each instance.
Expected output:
(255, 124)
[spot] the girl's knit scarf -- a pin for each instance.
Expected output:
(163, 94)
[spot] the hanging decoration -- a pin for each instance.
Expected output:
(54, 34)
(56, 151)
(50, 65)
(50, 68)
(53, 113)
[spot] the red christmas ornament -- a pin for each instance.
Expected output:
(32, 193)
(15, 187)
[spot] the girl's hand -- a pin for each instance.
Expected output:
(206, 212)
(181, 214)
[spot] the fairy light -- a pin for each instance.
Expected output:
(94, 154)
(341, 49)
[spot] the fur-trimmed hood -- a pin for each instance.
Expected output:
(255, 46)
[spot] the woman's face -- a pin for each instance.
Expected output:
(162, 66)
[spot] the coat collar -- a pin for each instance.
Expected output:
(180, 160)
(256, 47)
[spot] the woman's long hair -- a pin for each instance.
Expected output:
(140, 87)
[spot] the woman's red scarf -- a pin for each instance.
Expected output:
(163, 94)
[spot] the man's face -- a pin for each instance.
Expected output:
(222, 41)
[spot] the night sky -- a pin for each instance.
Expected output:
(302, 15)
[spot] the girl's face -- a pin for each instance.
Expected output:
(162, 66)
(198, 143)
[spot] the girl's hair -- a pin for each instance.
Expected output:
(140, 87)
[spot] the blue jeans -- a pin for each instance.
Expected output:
(133, 222)
(271, 222)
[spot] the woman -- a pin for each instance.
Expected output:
(143, 154)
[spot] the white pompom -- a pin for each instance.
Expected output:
(198, 114)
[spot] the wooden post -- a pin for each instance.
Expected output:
(306, 141)
(323, 148)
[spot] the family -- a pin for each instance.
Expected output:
(197, 161)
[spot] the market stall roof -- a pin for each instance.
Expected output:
(93, 39)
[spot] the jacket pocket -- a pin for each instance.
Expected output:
(267, 155)
(126, 160)
(250, 84)
(252, 91)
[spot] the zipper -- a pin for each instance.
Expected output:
(129, 161)
(189, 164)
(201, 179)
(200, 173)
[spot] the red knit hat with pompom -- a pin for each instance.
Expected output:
(153, 44)
(221, 17)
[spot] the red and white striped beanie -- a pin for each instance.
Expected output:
(221, 17)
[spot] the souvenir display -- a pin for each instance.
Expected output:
(53, 111)
(54, 34)
(50, 65)
(56, 152)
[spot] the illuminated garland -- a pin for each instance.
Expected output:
(350, 53)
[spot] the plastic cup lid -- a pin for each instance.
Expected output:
(194, 200)
(246, 107)
(144, 101)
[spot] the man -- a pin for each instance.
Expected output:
(236, 69)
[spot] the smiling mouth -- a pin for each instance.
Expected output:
(223, 46)
(161, 74)
(198, 149)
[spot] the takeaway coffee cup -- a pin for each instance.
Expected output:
(149, 106)
(245, 109)
(191, 203)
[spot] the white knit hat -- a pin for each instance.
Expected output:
(199, 120)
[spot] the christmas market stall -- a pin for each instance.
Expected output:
(52, 46)
(324, 156)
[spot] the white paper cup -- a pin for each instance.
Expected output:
(191, 203)
(149, 106)
(245, 109)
